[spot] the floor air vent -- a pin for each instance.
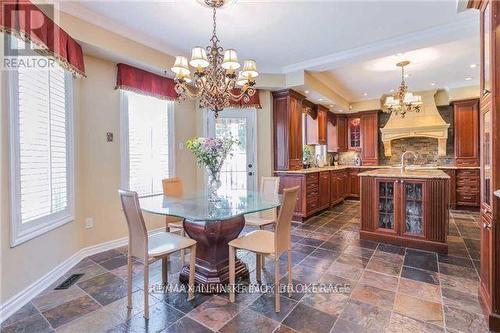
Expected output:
(69, 281)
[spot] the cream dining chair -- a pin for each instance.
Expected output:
(264, 242)
(268, 186)
(172, 187)
(151, 248)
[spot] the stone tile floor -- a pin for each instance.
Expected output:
(388, 289)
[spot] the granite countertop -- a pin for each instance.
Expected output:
(408, 173)
(497, 193)
(345, 167)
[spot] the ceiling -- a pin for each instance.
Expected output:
(348, 45)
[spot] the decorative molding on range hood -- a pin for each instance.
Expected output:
(426, 123)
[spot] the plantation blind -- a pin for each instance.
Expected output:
(43, 143)
(149, 146)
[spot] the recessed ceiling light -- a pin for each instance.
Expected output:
(400, 54)
(392, 90)
(473, 65)
(433, 83)
(365, 94)
(407, 75)
(468, 78)
(306, 91)
(320, 99)
(341, 110)
(331, 105)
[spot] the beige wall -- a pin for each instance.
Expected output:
(97, 178)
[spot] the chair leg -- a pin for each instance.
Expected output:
(129, 281)
(277, 306)
(289, 273)
(232, 269)
(146, 290)
(164, 271)
(258, 268)
(167, 228)
(192, 267)
(183, 252)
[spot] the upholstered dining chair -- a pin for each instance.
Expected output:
(268, 243)
(151, 248)
(172, 187)
(268, 186)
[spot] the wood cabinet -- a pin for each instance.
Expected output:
(405, 212)
(353, 183)
(336, 133)
(338, 186)
(322, 124)
(354, 133)
(453, 187)
(466, 124)
(369, 138)
(467, 187)
(324, 190)
(316, 118)
(287, 130)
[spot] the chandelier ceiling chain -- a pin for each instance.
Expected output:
(215, 79)
(403, 101)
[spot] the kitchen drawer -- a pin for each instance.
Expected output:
(468, 185)
(468, 198)
(312, 177)
(312, 188)
(311, 205)
(467, 174)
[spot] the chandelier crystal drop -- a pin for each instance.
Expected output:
(403, 101)
(216, 77)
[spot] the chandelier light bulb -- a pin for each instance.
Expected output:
(250, 69)
(230, 62)
(199, 58)
(181, 67)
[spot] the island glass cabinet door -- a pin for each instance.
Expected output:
(386, 217)
(413, 212)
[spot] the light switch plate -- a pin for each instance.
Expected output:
(89, 223)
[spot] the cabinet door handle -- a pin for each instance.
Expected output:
(486, 226)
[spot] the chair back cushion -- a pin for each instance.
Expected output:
(172, 187)
(282, 234)
(138, 234)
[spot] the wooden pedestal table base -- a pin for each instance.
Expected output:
(212, 250)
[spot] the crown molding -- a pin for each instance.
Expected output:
(465, 26)
(101, 21)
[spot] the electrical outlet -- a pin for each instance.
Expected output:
(89, 223)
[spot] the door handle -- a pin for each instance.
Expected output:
(250, 173)
(250, 165)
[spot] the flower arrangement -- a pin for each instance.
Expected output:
(211, 154)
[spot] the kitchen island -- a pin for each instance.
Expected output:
(407, 208)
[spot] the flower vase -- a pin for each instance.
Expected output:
(214, 184)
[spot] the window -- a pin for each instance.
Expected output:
(41, 151)
(147, 136)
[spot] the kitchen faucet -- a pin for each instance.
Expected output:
(403, 166)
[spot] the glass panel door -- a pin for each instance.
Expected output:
(238, 170)
(486, 160)
(414, 208)
(386, 216)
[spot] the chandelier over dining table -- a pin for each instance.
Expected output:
(216, 79)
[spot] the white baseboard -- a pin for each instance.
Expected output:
(18, 301)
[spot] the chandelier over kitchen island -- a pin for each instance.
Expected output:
(215, 80)
(403, 101)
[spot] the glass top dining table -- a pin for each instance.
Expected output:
(197, 206)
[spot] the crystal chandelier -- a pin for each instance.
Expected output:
(215, 76)
(403, 101)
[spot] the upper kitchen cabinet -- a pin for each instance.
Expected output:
(315, 126)
(369, 138)
(466, 115)
(337, 133)
(322, 124)
(287, 129)
(354, 127)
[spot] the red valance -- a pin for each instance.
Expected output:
(146, 83)
(28, 22)
(254, 101)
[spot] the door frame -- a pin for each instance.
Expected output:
(251, 114)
